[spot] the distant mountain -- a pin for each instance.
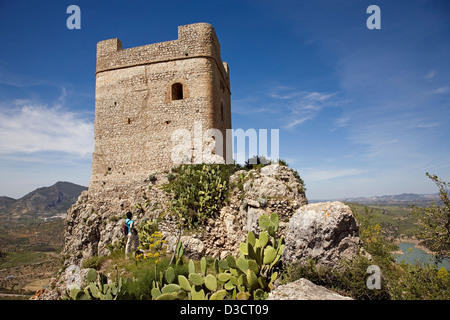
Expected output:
(5, 202)
(400, 199)
(43, 202)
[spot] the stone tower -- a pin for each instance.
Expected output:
(143, 94)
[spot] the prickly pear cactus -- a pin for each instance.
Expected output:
(98, 288)
(249, 276)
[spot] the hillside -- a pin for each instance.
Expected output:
(28, 223)
(43, 202)
(399, 199)
(392, 212)
(30, 237)
(5, 202)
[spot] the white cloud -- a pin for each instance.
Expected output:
(284, 93)
(318, 96)
(248, 106)
(32, 128)
(340, 122)
(311, 174)
(289, 105)
(300, 105)
(430, 74)
(297, 121)
(442, 90)
(429, 125)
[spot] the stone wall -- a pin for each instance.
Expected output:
(136, 110)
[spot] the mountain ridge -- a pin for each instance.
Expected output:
(44, 201)
(402, 198)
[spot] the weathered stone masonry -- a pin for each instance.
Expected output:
(145, 93)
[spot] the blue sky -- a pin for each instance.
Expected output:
(360, 112)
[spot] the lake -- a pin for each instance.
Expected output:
(413, 254)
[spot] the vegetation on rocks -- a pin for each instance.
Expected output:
(198, 193)
(249, 276)
(200, 190)
(435, 221)
(160, 272)
(399, 281)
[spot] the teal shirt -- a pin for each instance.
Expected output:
(128, 222)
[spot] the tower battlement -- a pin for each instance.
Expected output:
(194, 41)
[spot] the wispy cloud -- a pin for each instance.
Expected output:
(340, 123)
(298, 121)
(299, 105)
(248, 105)
(316, 174)
(429, 125)
(18, 80)
(31, 128)
(284, 93)
(318, 96)
(442, 90)
(430, 74)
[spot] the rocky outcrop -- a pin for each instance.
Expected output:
(304, 289)
(273, 188)
(324, 232)
(93, 223)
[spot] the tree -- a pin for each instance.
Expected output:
(255, 160)
(435, 221)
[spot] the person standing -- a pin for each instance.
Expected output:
(132, 237)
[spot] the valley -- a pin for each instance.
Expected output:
(32, 237)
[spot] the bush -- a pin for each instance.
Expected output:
(199, 192)
(435, 221)
(349, 281)
(414, 282)
(257, 162)
(398, 281)
(146, 273)
(92, 262)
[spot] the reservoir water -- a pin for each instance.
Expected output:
(413, 255)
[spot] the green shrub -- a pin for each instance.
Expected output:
(416, 282)
(349, 280)
(146, 230)
(435, 221)
(146, 273)
(92, 262)
(398, 281)
(199, 192)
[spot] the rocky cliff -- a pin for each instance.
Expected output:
(324, 232)
(93, 223)
(270, 189)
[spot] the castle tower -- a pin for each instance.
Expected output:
(143, 94)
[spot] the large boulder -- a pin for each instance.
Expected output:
(303, 289)
(324, 232)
